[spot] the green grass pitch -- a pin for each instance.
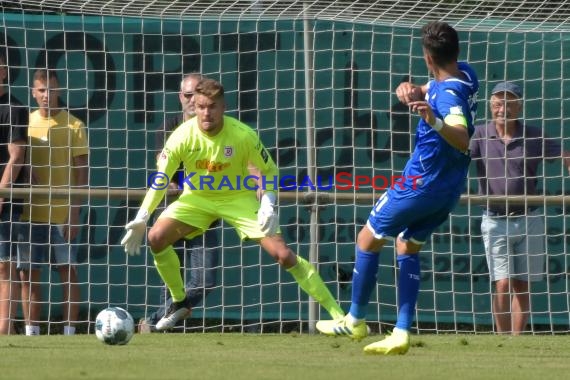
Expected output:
(282, 356)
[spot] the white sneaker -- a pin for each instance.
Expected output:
(176, 312)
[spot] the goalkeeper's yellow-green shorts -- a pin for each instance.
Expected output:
(195, 210)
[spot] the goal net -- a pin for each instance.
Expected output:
(316, 79)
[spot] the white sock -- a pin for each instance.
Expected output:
(354, 321)
(32, 330)
(68, 330)
(398, 330)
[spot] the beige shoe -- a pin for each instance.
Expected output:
(144, 327)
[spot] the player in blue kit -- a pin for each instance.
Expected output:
(439, 165)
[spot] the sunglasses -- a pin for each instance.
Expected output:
(187, 95)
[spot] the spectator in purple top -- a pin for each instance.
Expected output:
(506, 153)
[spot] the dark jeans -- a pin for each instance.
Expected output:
(8, 233)
(201, 256)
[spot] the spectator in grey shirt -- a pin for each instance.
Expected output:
(506, 153)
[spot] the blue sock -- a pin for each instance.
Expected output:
(408, 289)
(364, 281)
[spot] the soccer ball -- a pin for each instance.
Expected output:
(114, 325)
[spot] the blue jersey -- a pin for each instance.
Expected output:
(436, 166)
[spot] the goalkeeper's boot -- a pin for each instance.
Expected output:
(396, 343)
(344, 327)
(177, 311)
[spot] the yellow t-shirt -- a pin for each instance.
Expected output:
(215, 167)
(54, 142)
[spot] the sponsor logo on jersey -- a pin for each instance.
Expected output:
(212, 166)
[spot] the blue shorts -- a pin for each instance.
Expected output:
(413, 218)
(41, 243)
(8, 234)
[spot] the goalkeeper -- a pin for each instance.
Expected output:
(216, 151)
(199, 254)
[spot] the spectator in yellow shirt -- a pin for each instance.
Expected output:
(58, 156)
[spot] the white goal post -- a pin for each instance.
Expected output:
(316, 79)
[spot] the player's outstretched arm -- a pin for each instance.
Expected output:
(261, 164)
(408, 92)
(455, 135)
(267, 216)
(136, 229)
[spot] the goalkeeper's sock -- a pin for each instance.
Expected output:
(168, 266)
(408, 288)
(364, 279)
(312, 283)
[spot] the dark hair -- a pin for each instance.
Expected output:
(210, 88)
(441, 42)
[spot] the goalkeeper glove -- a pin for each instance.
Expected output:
(136, 230)
(266, 215)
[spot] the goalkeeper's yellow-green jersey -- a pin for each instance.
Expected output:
(215, 166)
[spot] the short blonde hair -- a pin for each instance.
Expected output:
(210, 88)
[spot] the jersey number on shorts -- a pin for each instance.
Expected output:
(381, 202)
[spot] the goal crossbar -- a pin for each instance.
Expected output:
(307, 197)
